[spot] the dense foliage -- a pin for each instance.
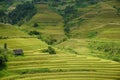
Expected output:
(2, 16)
(92, 34)
(50, 50)
(23, 12)
(3, 57)
(34, 33)
(48, 39)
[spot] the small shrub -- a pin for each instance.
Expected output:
(35, 25)
(67, 29)
(3, 57)
(50, 50)
(34, 33)
(92, 34)
(3, 37)
(93, 1)
(32, 71)
(48, 39)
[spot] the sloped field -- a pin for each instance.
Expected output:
(7, 30)
(42, 66)
(27, 44)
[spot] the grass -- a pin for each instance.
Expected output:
(103, 48)
(27, 44)
(48, 24)
(63, 65)
(95, 17)
(111, 32)
(7, 30)
(44, 17)
(108, 50)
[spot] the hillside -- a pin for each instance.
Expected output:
(97, 14)
(37, 66)
(93, 18)
(49, 22)
(7, 30)
(60, 39)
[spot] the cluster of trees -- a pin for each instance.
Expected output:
(70, 13)
(34, 33)
(7, 1)
(3, 16)
(40, 0)
(48, 39)
(78, 2)
(22, 13)
(50, 50)
(53, 3)
(1, 0)
(117, 9)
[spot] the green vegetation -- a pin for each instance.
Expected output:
(22, 12)
(8, 31)
(35, 25)
(34, 33)
(111, 49)
(3, 57)
(92, 34)
(2, 16)
(27, 44)
(50, 50)
(61, 39)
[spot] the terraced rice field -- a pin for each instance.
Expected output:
(27, 44)
(112, 31)
(7, 30)
(62, 66)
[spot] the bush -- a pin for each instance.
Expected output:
(48, 39)
(3, 37)
(50, 50)
(35, 25)
(34, 33)
(66, 29)
(3, 57)
(93, 1)
(92, 34)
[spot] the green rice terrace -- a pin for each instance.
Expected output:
(59, 40)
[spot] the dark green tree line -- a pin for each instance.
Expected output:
(23, 12)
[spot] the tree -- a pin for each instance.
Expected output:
(34, 33)
(67, 29)
(118, 9)
(2, 13)
(3, 57)
(23, 12)
(70, 11)
(35, 25)
(78, 2)
(5, 45)
(50, 50)
(93, 1)
(3, 16)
